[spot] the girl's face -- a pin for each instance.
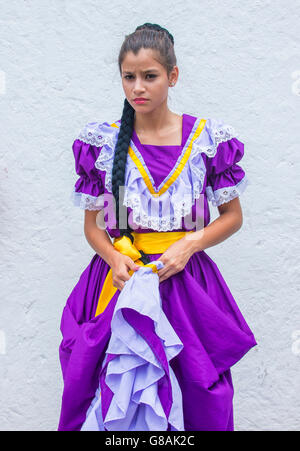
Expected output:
(143, 76)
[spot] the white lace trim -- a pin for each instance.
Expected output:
(105, 136)
(160, 224)
(97, 134)
(222, 195)
(86, 201)
(179, 198)
(105, 163)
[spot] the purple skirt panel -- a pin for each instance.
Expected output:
(205, 317)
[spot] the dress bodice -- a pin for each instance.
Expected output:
(166, 187)
(160, 160)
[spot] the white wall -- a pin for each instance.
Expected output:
(238, 61)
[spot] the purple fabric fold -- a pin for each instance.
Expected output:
(205, 317)
(90, 181)
(228, 153)
(224, 172)
(139, 390)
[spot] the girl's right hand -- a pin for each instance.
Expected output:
(120, 265)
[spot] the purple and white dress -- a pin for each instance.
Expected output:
(161, 359)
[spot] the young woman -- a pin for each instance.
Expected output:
(151, 329)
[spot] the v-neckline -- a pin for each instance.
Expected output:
(138, 159)
(135, 136)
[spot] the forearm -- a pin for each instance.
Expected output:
(217, 231)
(101, 243)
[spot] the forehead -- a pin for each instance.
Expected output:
(143, 61)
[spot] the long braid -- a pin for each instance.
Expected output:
(120, 157)
(145, 36)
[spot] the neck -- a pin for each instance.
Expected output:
(155, 121)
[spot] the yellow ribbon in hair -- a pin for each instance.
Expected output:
(150, 243)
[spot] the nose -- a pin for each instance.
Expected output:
(138, 87)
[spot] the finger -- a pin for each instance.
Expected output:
(121, 285)
(125, 276)
(165, 276)
(132, 265)
(164, 264)
(162, 271)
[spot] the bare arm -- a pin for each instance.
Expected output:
(229, 222)
(98, 238)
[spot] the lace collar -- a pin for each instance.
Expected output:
(162, 208)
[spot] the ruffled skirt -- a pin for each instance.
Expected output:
(202, 312)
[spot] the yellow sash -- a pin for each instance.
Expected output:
(150, 243)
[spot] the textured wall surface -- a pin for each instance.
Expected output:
(238, 61)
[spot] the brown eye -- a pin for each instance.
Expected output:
(150, 75)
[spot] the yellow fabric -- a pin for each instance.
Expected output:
(124, 245)
(156, 242)
(150, 243)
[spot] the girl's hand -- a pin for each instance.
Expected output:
(175, 258)
(120, 265)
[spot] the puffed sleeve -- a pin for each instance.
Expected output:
(88, 192)
(226, 178)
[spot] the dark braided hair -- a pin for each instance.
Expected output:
(148, 36)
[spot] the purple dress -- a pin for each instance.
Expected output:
(198, 307)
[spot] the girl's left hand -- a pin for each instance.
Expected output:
(175, 258)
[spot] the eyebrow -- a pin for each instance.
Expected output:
(143, 71)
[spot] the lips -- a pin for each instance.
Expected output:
(139, 98)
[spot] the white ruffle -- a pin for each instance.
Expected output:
(222, 195)
(165, 212)
(86, 201)
(218, 132)
(98, 134)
